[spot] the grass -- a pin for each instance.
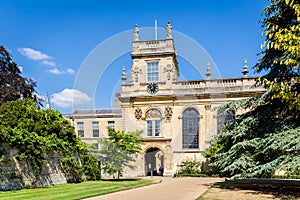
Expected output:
(75, 191)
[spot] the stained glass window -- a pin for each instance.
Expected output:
(190, 129)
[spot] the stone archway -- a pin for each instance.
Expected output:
(154, 162)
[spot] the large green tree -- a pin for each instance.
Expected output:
(118, 151)
(280, 54)
(39, 133)
(267, 137)
(12, 85)
(258, 142)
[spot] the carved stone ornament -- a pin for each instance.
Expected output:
(138, 113)
(168, 112)
(134, 75)
(169, 70)
(153, 113)
(207, 106)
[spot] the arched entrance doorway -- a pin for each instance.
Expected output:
(154, 162)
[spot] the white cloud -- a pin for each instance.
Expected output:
(67, 97)
(49, 63)
(46, 60)
(56, 71)
(59, 72)
(33, 54)
(70, 71)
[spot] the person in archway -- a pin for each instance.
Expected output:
(161, 171)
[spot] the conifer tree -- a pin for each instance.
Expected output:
(281, 47)
(267, 137)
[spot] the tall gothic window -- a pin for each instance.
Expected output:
(223, 118)
(190, 129)
(153, 122)
(152, 72)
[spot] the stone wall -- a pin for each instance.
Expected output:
(15, 174)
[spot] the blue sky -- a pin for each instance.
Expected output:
(51, 39)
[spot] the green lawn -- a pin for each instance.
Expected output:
(75, 191)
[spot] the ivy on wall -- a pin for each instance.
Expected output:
(37, 133)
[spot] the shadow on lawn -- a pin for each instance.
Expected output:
(280, 188)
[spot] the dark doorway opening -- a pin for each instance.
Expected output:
(154, 162)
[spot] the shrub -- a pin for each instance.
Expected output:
(189, 167)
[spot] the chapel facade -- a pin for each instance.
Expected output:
(177, 117)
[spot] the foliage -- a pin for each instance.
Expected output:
(266, 137)
(2, 157)
(38, 133)
(90, 166)
(282, 51)
(72, 168)
(287, 176)
(12, 85)
(259, 141)
(213, 149)
(281, 48)
(190, 167)
(286, 91)
(118, 151)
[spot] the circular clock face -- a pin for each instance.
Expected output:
(152, 88)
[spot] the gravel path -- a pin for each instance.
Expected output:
(170, 188)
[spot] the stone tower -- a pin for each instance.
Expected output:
(154, 61)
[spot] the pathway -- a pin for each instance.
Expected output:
(187, 188)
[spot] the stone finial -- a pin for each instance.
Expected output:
(245, 69)
(48, 106)
(208, 73)
(123, 75)
(136, 33)
(169, 30)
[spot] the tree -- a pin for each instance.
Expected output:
(12, 85)
(281, 53)
(281, 48)
(38, 133)
(266, 138)
(118, 151)
(258, 142)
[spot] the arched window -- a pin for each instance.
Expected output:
(223, 118)
(153, 120)
(190, 129)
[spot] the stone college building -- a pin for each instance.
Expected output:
(177, 117)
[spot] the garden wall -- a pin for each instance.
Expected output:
(15, 174)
